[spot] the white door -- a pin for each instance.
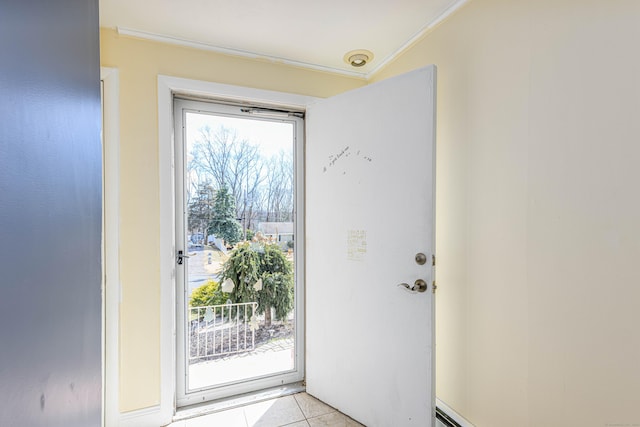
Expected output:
(370, 159)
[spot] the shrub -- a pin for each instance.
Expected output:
(208, 294)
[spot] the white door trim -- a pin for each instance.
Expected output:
(167, 87)
(111, 242)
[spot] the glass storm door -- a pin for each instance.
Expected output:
(238, 245)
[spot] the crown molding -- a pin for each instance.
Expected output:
(235, 52)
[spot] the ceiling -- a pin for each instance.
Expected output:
(308, 33)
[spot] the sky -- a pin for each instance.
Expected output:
(271, 136)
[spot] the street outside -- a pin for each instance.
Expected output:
(204, 264)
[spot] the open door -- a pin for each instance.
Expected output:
(370, 176)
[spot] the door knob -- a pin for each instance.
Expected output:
(418, 286)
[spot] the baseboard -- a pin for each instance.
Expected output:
(459, 419)
(147, 417)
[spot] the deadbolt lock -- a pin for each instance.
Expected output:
(421, 259)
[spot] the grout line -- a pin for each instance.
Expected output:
(300, 407)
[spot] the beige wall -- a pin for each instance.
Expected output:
(139, 63)
(538, 215)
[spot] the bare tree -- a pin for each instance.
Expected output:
(232, 162)
(279, 188)
(212, 153)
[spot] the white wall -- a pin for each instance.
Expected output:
(538, 209)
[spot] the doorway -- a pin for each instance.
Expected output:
(239, 281)
(400, 116)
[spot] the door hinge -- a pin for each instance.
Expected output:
(433, 260)
(434, 287)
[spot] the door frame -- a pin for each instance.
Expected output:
(110, 243)
(168, 87)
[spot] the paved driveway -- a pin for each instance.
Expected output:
(204, 264)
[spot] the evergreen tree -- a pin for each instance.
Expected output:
(223, 222)
(250, 262)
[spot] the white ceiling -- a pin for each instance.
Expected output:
(309, 33)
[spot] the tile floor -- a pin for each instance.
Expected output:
(298, 410)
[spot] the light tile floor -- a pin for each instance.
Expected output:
(298, 410)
